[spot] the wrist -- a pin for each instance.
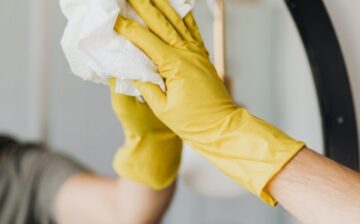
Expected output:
(249, 150)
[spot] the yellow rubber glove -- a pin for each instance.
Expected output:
(151, 153)
(196, 105)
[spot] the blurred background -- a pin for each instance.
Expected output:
(40, 99)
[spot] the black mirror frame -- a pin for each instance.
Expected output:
(331, 80)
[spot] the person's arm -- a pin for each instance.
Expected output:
(148, 163)
(91, 199)
(137, 203)
(198, 108)
(316, 189)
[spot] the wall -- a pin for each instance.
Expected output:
(14, 61)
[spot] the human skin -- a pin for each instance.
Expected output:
(317, 190)
(91, 199)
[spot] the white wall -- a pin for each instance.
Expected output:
(14, 66)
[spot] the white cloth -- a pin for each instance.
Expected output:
(96, 52)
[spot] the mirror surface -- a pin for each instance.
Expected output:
(270, 75)
(265, 61)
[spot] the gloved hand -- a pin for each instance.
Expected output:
(196, 105)
(151, 153)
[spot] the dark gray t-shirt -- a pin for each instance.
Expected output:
(29, 180)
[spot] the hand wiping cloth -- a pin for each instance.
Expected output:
(96, 52)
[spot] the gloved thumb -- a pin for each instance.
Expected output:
(152, 93)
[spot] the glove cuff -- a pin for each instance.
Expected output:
(250, 151)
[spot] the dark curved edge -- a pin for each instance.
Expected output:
(331, 80)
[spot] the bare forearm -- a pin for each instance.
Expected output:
(142, 205)
(318, 190)
(92, 199)
(86, 198)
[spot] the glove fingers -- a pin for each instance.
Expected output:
(156, 22)
(152, 94)
(190, 23)
(172, 16)
(149, 43)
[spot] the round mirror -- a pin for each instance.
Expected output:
(273, 74)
